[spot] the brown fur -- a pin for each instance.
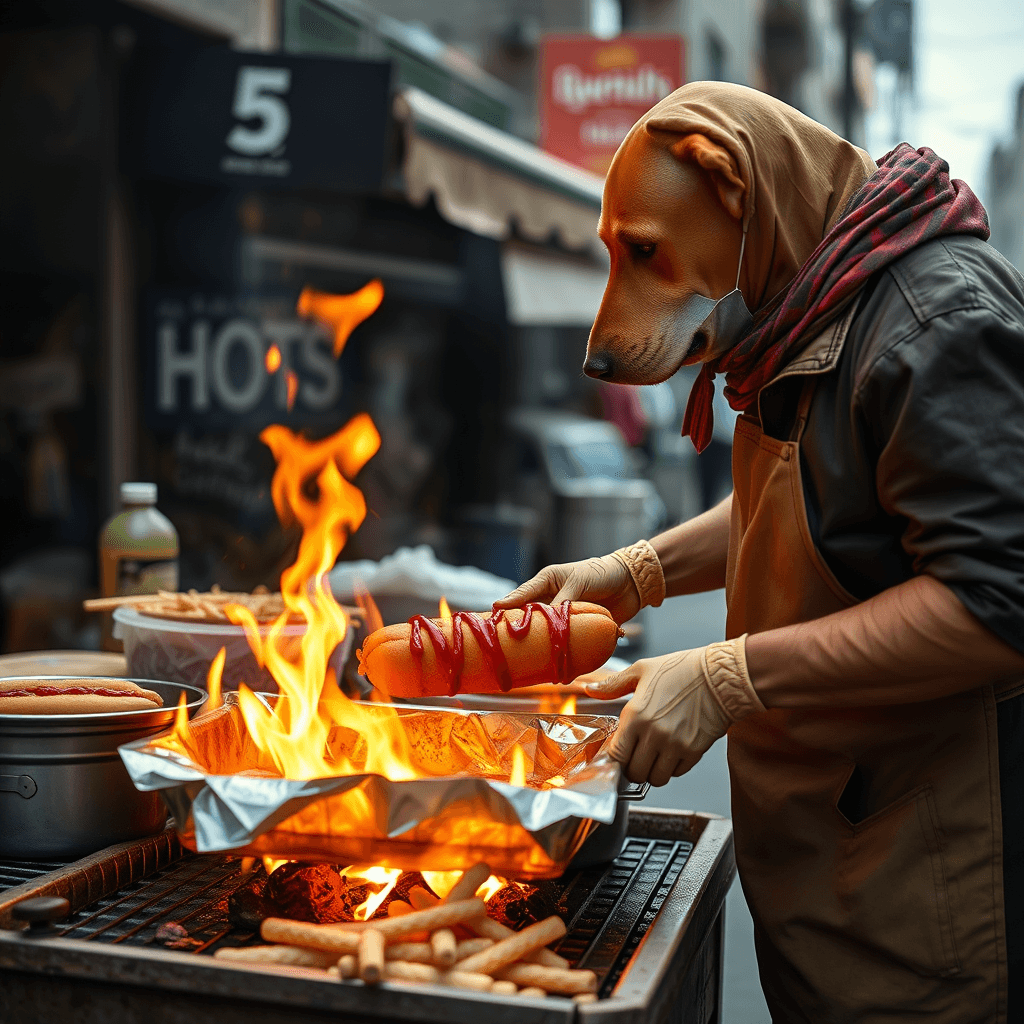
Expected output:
(684, 196)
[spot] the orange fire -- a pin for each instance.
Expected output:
(311, 729)
(273, 359)
(444, 611)
(342, 313)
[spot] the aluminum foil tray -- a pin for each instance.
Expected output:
(223, 797)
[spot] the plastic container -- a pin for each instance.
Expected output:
(138, 551)
(181, 652)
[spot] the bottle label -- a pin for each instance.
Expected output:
(136, 576)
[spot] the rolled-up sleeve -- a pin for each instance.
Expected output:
(945, 407)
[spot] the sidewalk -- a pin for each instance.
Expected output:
(680, 623)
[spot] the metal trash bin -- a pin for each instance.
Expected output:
(595, 515)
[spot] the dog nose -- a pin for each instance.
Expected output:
(599, 365)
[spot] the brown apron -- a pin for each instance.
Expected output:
(895, 917)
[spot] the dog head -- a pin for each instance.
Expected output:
(671, 219)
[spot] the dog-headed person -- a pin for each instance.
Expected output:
(872, 550)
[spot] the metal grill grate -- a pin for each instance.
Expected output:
(184, 906)
(17, 872)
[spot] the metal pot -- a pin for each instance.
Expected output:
(63, 789)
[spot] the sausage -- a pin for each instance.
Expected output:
(74, 696)
(487, 653)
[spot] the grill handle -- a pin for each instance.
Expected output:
(40, 913)
(24, 785)
(634, 791)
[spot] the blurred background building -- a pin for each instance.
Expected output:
(147, 263)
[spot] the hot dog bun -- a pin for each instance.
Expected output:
(36, 696)
(536, 644)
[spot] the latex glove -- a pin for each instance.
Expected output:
(623, 582)
(681, 704)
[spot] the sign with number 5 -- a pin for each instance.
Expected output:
(259, 94)
(216, 115)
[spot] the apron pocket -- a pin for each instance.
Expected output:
(891, 886)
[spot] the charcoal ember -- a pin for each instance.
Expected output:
(511, 905)
(408, 881)
(248, 906)
(310, 892)
(170, 931)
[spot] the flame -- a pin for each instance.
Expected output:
(271, 864)
(272, 361)
(441, 882)
(443, 609)
(517, 777)
(377, 875)
(490, 887)
(371, 613)
(292, 383)
(568, 705)
(342, 313)
(213, 680)
(312, 487)
(180, 738)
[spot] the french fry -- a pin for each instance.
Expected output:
(551, 979)
(468, 884)
(443, 944)
(463, 979)
(495, 930)
(293, 956)
(348, 966)
(584, 997)
(423, 900)
(443, 915)
(532, 992)
(403, 970)
(516, 946)
(309, 936)
(467, 947)
(504, 988)
(371, 956)
(414, 952)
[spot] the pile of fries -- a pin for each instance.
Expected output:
(193, 606)
(417, 943)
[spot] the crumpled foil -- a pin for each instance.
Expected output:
(458, 814)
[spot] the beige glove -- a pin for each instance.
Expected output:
(623, 582)
(682, 703)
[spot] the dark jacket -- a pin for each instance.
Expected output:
(913, 457)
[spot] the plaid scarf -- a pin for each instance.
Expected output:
(908, 200)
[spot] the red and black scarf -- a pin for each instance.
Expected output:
(908, 200)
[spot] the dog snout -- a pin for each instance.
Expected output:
(599, 365)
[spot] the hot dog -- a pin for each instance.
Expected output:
(74, 696)
(479, 653)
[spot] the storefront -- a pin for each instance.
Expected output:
(229, 182)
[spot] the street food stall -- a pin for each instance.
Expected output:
(303, 330)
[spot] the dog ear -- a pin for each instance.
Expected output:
(719, 165)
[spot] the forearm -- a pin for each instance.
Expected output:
(911, 643)
(693, 554)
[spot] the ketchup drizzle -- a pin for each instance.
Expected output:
(452, 658)
(74, 691)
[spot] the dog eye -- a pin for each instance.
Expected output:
(644, 250)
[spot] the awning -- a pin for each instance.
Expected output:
(489, 182)
(550, 288)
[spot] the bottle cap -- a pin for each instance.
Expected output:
(138, 494)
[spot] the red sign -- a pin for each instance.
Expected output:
(592, 91)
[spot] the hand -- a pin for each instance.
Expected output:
(682, 703)
(623, 582)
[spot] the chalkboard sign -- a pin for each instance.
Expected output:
(222, 116)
